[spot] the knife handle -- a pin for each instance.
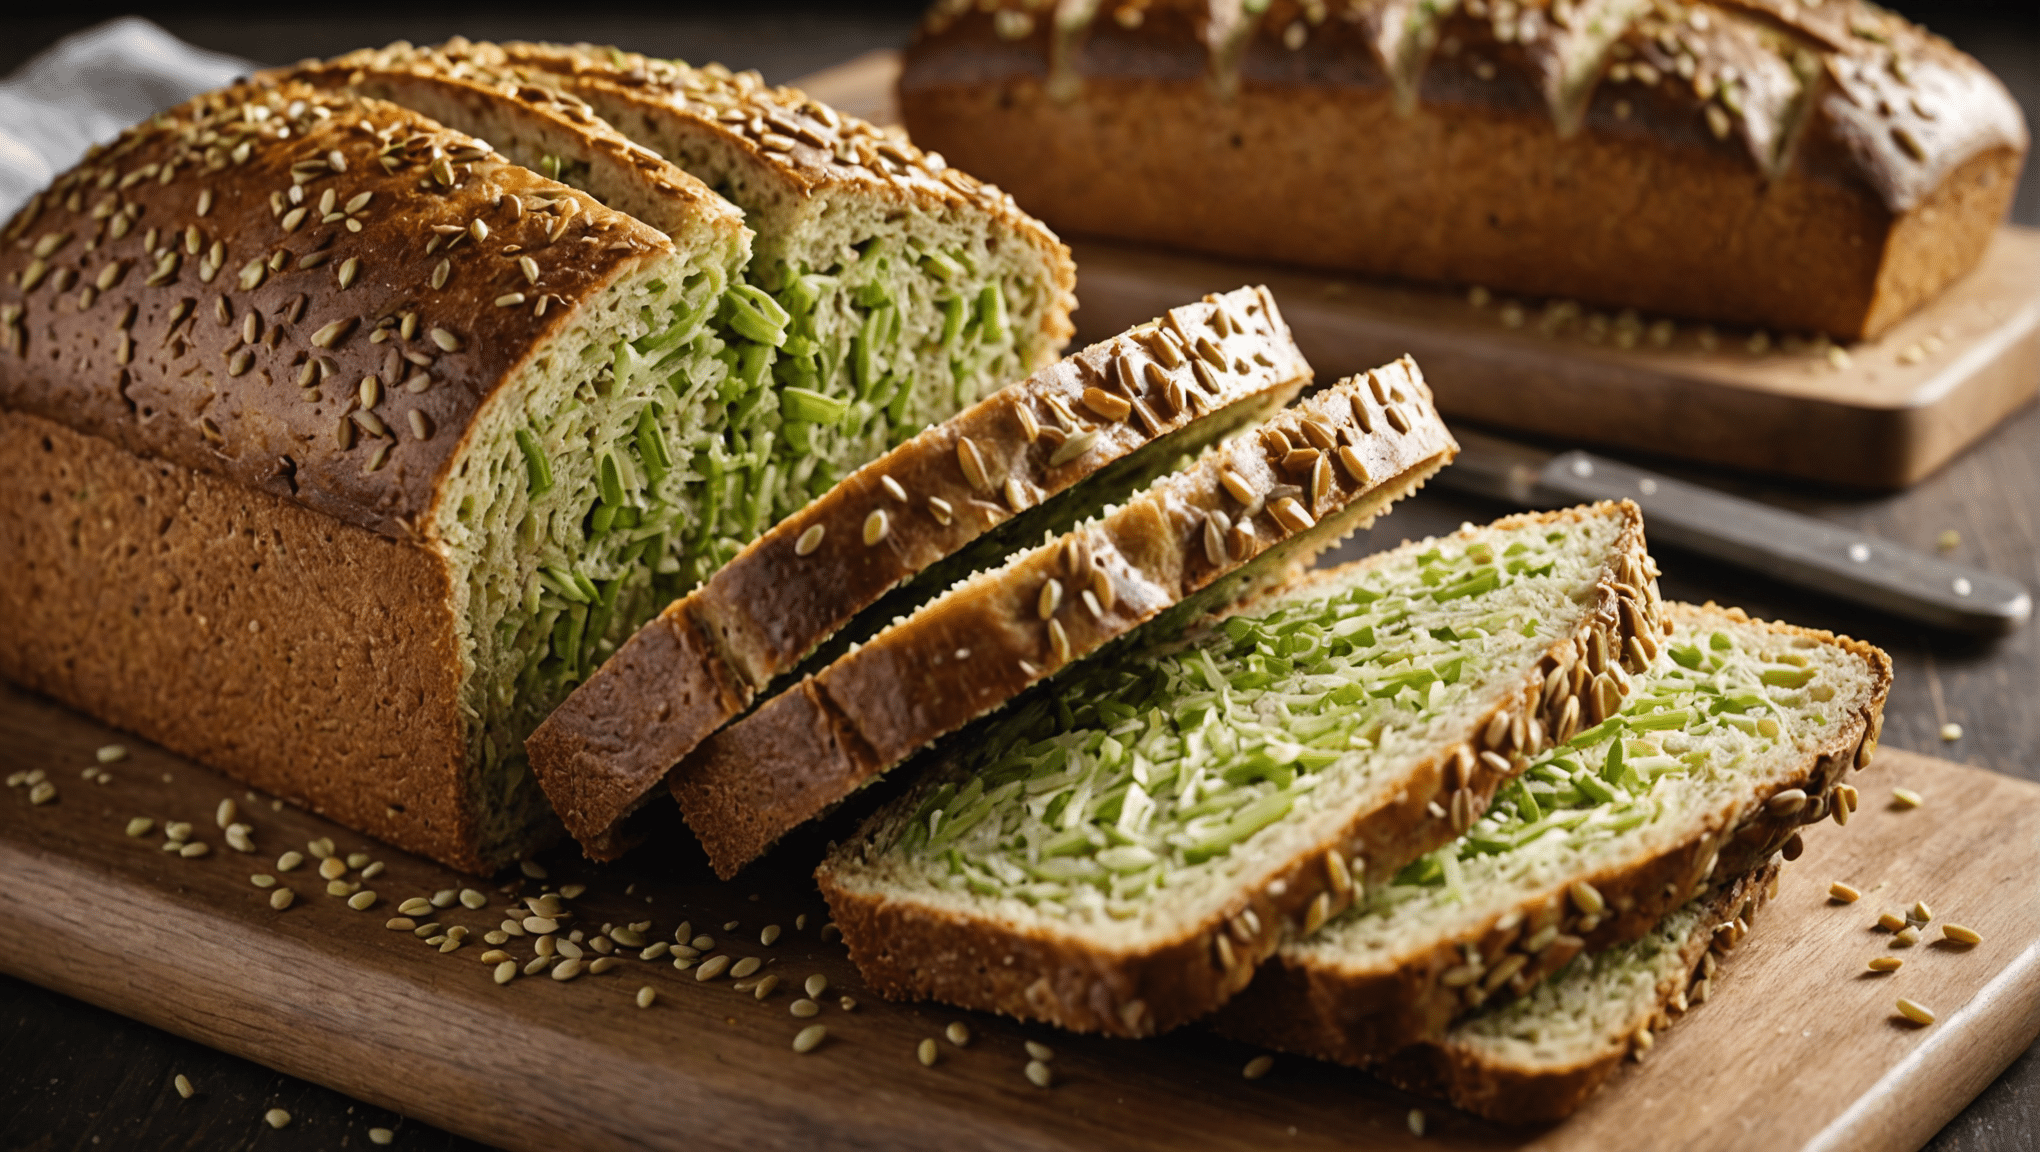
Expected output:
(1798, 549)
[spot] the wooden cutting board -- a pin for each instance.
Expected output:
(1799, 1048)
(1884, 414)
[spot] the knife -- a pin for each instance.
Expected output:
(1795, 549)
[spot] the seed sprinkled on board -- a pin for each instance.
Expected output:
(1039, 1074)
(1258, 1067)
(958, 1033)
(810, 1037)
(184, 1087)
(1915, 1011)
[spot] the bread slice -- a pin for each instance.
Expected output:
(1241, 781)
(912, 290)
(1536, 1059)
(1218, 530)
(1741, 733)
(912, 512)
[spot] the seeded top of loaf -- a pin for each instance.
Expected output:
(306, 291)
(627, 175)
(1882, 101)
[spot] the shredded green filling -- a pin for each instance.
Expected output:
(1133, 771)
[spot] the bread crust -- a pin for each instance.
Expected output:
(602, 751)
(1516, 1095)
(1601, 157)
(160, 361)
(906, 949)
(532, 122)
(1357, 1015)
(309, 657)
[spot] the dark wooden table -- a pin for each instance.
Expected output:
(75, 1077)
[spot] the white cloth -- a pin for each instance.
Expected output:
(85, 88)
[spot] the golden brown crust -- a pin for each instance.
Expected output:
(976, 647)
(182, 318)
(1517, 1095)
(900, 945)
(602, 751)
(1322, 1007)
(309, 658)
(1799, 140)
(528, 123)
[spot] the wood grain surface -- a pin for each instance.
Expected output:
(1799, 1049)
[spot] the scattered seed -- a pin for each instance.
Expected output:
(1039, 1075)
(809, 1037)
(362, 901)
(332, 868)
(400, 923)
(745, 967)
(1040, 1051)
(445, 897)
(1921, 913)
(277, 1118)
(958, 1033)
(769, 936)
(415, 906)
(380, 1136)
(1890, 921)
(184, 1087)
(536, 965)
(1905, 937)
(470, 898)
(140, 826)
(816, 984)
(712, 967)
(573, 891)
(1886, 963)
(42, 793)
(177, 830)
(112, 753)
(765, 987)
(540, 925)
(262, 880)
(494, 956)
(804, 1008)
(567, 970)
(321, 848)
(1915, 1011)
(926, 1052)
(847, 1004)
(288, 861)
(506, 971)
(1906, 798)
(1258, 1067)
(1961, 935)
(191, 851)
(603, 964)
(1844, 893)
(238, 839)
(1951, 732)
(1416, 1121)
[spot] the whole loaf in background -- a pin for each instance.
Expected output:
(1813, 166)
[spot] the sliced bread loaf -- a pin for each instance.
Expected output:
(352, 333)
(1740, 733)
(1121, 852)
(1207, 535)
(1537, 1059)
(1062, 443)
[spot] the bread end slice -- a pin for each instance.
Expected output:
(1536, 1060)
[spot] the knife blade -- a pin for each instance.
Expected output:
(1795, 549)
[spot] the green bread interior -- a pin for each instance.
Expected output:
(1731, 712)
(591, 486)
(1150, 783)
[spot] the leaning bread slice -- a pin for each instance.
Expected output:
(1063, 443)
(1120, 853)
(1738, 735)
(1536, 1059)
(908, 290)
(1209, 534)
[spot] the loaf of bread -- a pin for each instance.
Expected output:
(373, 443)
(1820, 166)
(1742, 733)
(1121, 853)
(891, 535)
